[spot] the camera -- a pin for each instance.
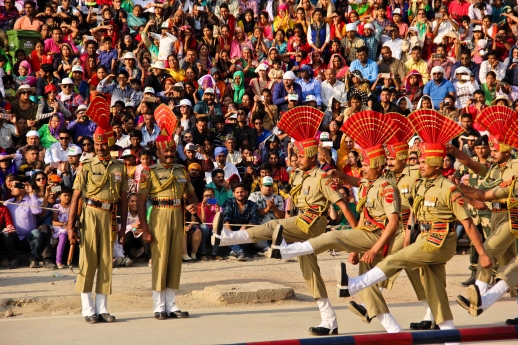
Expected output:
(56, 189)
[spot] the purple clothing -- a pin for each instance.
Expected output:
(81, 129)
(24, 217)
(62, 240)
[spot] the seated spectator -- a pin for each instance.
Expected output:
(266, 170)
(245, 135)
(465, 86)
(239, 210)
(70, 99)
(440, 59)
(150, 131)
(201, 132)
(220, 131)
(221, 188)
(230, 170)
(233, 156)
(57, 152)
(309, 84)
(465, 61)
(207, 208)
(336, 215)
(492, 64)
(385, 105)
(208, 108)
(438, 87)
(288, 86)
(367, 67)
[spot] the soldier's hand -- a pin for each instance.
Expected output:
(369, 257)
(147, 237)
(485, 261)
(72, 237)
(191, 209)
(354, 258)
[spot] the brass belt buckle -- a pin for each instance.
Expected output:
(105, 206)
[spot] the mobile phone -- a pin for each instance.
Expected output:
(261, 98)
(437, 56)
(150, 99)
(515, 60)
(19, 185)
(327, 143)
(95, 10)
(56, 189)
(465, 77)
(5, 116)
(89, 38)
(359, 1)
(502, 84)
(385, 75)
(200, 8)
(212, 201)
(250, 159)
(438, 15)
(195, 147)
(54, 164)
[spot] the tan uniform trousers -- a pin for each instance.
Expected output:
(509, 274)
(433, 270)
(414, 276)
(291, 233)
(166, 226)
(96, 252)
(357, 241)
(501, 247)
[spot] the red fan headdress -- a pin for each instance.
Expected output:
(497, 120)
(301, 124)
(167, 122)
(370, 130)
(99, 112)
(397, 146)
(435, 130)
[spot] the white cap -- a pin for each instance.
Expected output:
(267, 181)
(350, 27)
(66, 81)
(74, 151)
(129, 55)
(149, 89)
(462, 69)
(190, 147)
(185, 102)
(261, 67)
(209, 90)
(368, 26)
(77, 69)
(178, 86)
(289, 76)
(324, 136)
(477, 28)
(233, 116)
(82, 107)
(293, 97)
(126, 153)
(129, 104)
(437, 69)
(158, 65)
(396, 11)
(165, 25)
(310, 98)
(32, 134)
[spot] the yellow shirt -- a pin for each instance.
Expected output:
(421, 67)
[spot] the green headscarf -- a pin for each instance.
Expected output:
(239, 90)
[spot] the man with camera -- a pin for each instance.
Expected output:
(479, 10)
(507, 90)
(82, 126)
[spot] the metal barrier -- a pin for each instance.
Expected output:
(407, 338)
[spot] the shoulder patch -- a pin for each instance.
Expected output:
(457, 197)
(324, 175)
(384, 184)
(506, 183)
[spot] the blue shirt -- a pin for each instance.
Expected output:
(369, 71)
(438, 92)
(105, 59)
(83, 129)
(311, 87)
(279, 92)
(262, 137)
(149, 136)
(232, 214)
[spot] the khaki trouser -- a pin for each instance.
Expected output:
(509, 274)
(501, 247)
(357, 241)
(414, 276)
(96, 252)
(308, 263)
(433, 270)
(484, 228)
(166, 226)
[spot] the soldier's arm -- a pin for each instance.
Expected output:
(466, 160)
(483, 195)
(123, 204)
(353, 181)
(72, 214)
(141, 212)
(473, 234)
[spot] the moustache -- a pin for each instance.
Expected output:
(167, 157)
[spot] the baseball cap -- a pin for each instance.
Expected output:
(293, 97)
(310, 98)
(267, 181)
(178, 86)
(77, 68)
(190, 147)
(324, 136)
(74, 151)
(149, 89)
(126, 153)
(82, 107)
(209, 90)
(54, 178)
(185, 102)
(396, 11)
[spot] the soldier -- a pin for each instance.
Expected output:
(379, 210)
(313, 192)
(438, 203)
(498, 187)
(480, 212)
(101, 184)
(167, 185)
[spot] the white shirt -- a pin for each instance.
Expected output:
(235, 158)
(233, 8)
(124, 141)
(396, 46)
(444, 28)
(165, 48)
(327, 91)
(486, 67)
(55, 153)
(328, 35)
(474, 13)
(6, 135)
(229, 169)
(464, 92)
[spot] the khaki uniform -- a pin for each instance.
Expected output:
(103, 184)
(166, 222)
(438, 203)
(509, 274)
(381, 199)
(317, 193)
(481, 218)
(501, 244)
(404, 182)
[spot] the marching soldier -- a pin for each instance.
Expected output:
(438, 203)
(480, 212)
(101, 184)
(379, 210)
(312, 194)
(168, 186)
(498, 187)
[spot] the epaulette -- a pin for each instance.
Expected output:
(324, 175)
(384, 184)
(506, 183)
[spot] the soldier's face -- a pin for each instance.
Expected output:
(166, 156)
(482, 151)
(394, 164)
(499, 157)
(426, 170)
(306, 163)
(102, 150)
(369, 172)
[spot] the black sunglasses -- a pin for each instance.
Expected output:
(64, 138)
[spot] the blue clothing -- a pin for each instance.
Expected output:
(118, 94)
(279, 92)
(105, 59)
(147, 136)
(369, 71)
(262, 137)
(438, 92)
(311, 87)
(372, 42)
(232, 215)
(83, 129)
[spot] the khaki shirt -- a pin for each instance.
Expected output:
(499, 171)
(382, 199)
(94, 169)
(180, 186)
(404, 182)
(475, 181)
(317, 189)
(443, 201)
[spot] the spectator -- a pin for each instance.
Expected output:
(366, 66)
(438, 87)
(507, 90)
(208, 108)
(57, 152)
(53, 45)
(119, 92)
(282, 90)
(351, 42)
(220, 186)
(492, 64)
(395, 43)
(239, 210)
(208, 209)
(385, 105)
(196, 177)
(28, 21)
(7, 131)
(150, 131)
(465, 86)
(243, 133)
(229, 169)
(309, 85)
(389, 64)
(82, 126)
(465, 61)
(68, 170)
(24, 107)
(417, 64)
(440, 59)
(466, 122)
(59, 222)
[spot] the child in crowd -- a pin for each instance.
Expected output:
(59, 222)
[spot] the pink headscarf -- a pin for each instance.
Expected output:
(282, 7)
(27, 65)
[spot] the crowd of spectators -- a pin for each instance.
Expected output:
(228, 69)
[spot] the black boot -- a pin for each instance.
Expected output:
(471, 279)
(512, 322)
(320, 331)
(359, 310)
(276, 242)
(342, 288)
(463, 302)
(423, 325)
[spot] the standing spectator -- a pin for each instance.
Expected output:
(465, 61)
(59, 222)
(351, 42)
(121, 91)
(438, 87)
(239, 210)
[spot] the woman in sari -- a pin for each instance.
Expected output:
(318, 65)
(413, 87)
(356, 85)
(338, 63)
(281, 45)
(247, 64)
(266, 25)
(299, 41)
(248, 23)
(273, 54)
(209, 39)
(49, 133)
(282, 20)
(239, 43)
(238, 87)
(174, 69)
(39, 57)
(308, 8)
(204, 57)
